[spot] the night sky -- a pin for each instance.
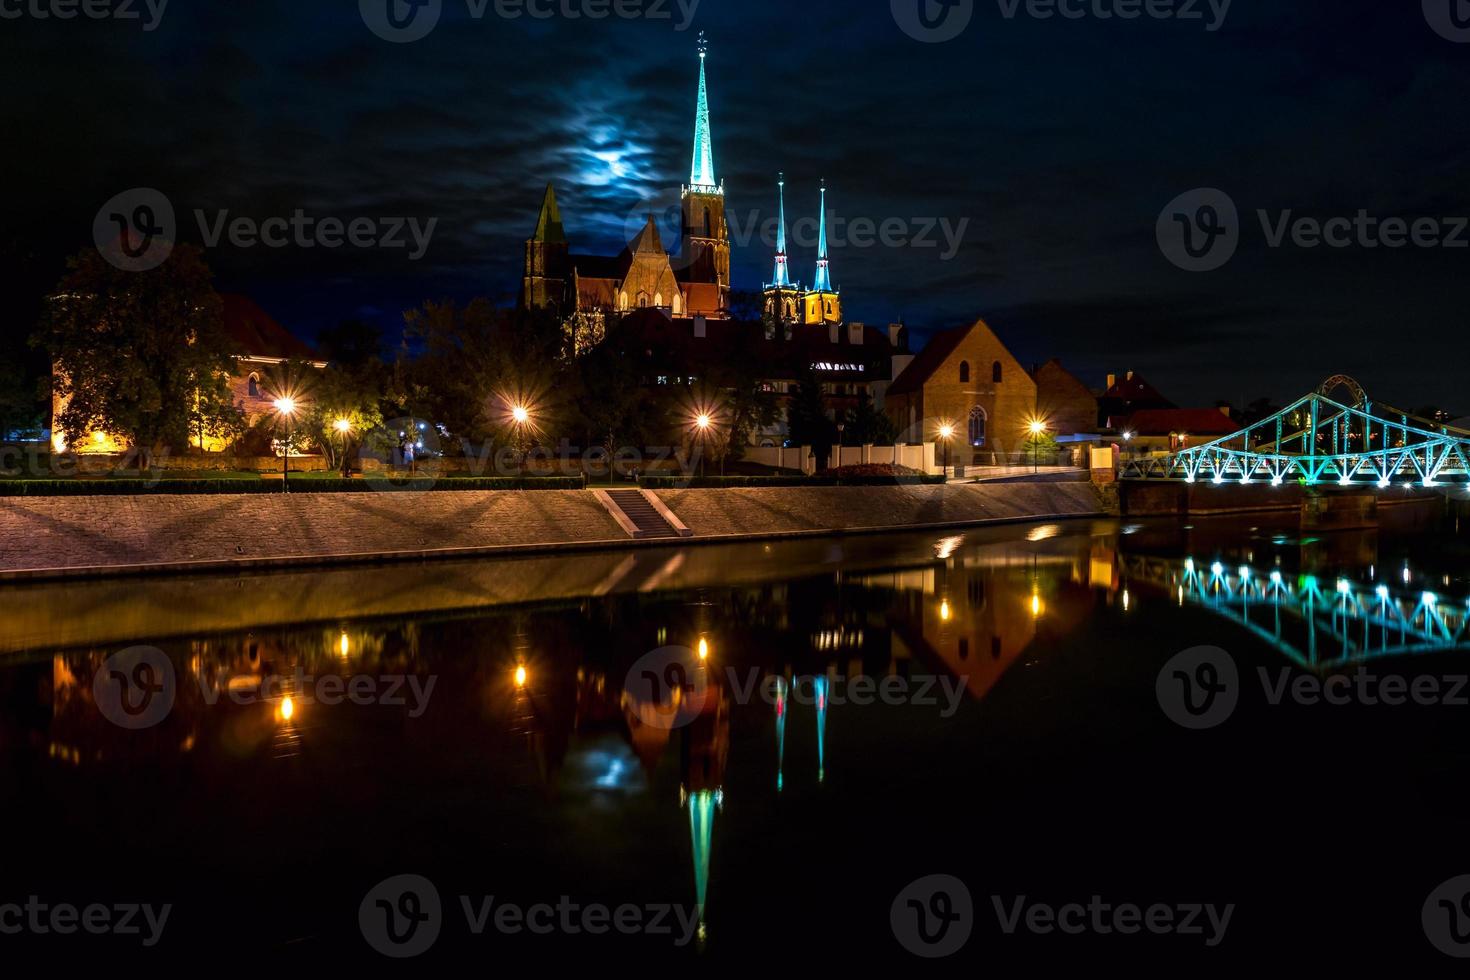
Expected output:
(1059, 141)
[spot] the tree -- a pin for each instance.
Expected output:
(140, 355)
(806, 417)
(343, 393)
(20, 411)
(866, 426)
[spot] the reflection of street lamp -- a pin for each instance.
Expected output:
(1038, 428)
(344, 429)
(286, 406)
(946, 433)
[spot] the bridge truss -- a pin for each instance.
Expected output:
(1320, 439)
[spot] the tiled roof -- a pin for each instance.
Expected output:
(254, 333)
(1193, 421)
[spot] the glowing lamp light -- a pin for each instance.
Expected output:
(288, 708)
(1037, 427)
(703, 422)
(703, 648)
(1127, 600)
(1245, 573)
(1344, 586)
(1430, 599)
(944, 612)
(99, 437)
(286, 406)
(946, 432)
(1384, 484)
(521, 414)
(343, 426)
(521, 676)
(1189, 564)
(1217, 569)
(1275, 578)
(1383, 592)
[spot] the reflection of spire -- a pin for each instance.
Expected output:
(820, 686)
(780, 733)
(702, 173)
(702, 805)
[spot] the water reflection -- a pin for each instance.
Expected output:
(531, 704)
(1314, 622)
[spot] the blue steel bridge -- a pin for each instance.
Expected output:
(1319, 624)
(1334, 436)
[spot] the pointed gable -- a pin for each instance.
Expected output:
(548, 226)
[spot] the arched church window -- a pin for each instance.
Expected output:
(997, 373)
(642, 300)
(964, 372)
(978, 423)
(706, 223)
(623, 300)
(658, 299)
(254, 386)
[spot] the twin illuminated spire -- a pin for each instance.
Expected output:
(782, 278)
(824, 267)
(702, 173)
(783, 266)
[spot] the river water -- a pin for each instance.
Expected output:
(750, 751)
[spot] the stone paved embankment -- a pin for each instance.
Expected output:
(112, 534)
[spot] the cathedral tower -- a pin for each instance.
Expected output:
(706, 236)
(548, 260)
(823, 303)
(782, 297)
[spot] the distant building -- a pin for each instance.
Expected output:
(1127, 395)
(849, 361)
(965, 378)
(1064, 402)
(1174, 429)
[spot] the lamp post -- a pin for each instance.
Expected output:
(702, 424)
(1038, 427)
(286, 406)
(344, 429)
(521, 416)
(946, 433)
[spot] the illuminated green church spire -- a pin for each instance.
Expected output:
(702, 173)
(783, 272)
(824, 266)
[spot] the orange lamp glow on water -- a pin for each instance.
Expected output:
(703, 648)
(288, 708)
(521, 676)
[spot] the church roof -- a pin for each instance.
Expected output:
(648, 240)
(1194, 421)
(548, 226)
(930, 360)
(254, 333)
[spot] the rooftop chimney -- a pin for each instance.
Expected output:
(855, 333)
(701, 327)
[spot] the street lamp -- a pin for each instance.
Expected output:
(286, 406)
(1038, 428)
(344, 429)
(702, 425)
(521, 416)
(946, 433)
